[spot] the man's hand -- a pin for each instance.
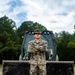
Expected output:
(33, 49)
(40, 48)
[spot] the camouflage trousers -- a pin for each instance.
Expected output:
(37, 69)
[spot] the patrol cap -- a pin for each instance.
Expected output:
(37, 31)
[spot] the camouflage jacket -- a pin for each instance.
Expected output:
(37, 51)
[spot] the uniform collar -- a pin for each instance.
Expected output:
(38, 42)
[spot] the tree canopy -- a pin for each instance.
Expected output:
(8, 39)
(65, 46)
(11, 39)
(29, 26)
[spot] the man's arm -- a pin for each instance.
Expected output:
(31, 48)
(43, 47)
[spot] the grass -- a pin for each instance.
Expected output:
(1, 69)
(74, 69)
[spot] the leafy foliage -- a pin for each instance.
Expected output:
(29, 26)
(11, 40)
(65, 46)
(8, 39)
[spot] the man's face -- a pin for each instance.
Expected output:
(37, 35)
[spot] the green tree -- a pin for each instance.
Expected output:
(71, 48)
(62, 40)
(29, 26)
(9, 45)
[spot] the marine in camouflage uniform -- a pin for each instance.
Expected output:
(37, 58)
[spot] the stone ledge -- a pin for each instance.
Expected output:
(11, 67)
